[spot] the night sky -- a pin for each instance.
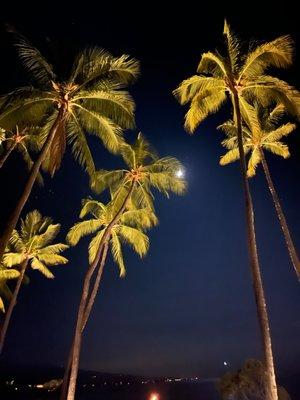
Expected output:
(188, 306)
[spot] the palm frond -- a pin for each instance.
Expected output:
(80, 148)
(202, 105)
(212, 64)
(36, 264)
(231, 156)
(51, 258)
(278, 148)
(279, 133)
(253, 162)
(135, 238)
(233, 47)
(103, 127)
(34, 62)
(196, 84)
(277, 53)
(116, 250)
(94, 245)
(81, 229)
(91, 206)
(103, 179)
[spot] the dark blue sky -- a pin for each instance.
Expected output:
(189, 305)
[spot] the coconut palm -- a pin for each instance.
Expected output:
(21, 141)
(24, 141)
(242, 77)
(262, 132)
(31, 247)
(130, 188)
(93, 99)
(5, 275)
(129, 229)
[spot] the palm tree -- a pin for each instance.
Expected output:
(5, 275)
(22, 141)
(92, 100)
(31, 246)
(130, 188)
(129, 229)
(262, 131)
(242, 76)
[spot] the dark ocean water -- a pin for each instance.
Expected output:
(174, 391)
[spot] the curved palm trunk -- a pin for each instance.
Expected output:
(6, 154)
(94, 292)
(84, 297)
(85, 319)
(12, 304)
(284, 226)
(13, 219)
(261, 305)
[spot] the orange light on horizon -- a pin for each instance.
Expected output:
(154, 396)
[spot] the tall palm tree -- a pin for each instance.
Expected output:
(92, 100)
(242, 76)
(31, 247)
(5, 275)
(262, 131)
(130, 229)
(130, 188)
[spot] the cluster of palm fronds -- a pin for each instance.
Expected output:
(39, 121)
(259, 103)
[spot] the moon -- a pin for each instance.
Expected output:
(179, 173)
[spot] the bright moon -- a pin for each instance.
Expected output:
(179, 173)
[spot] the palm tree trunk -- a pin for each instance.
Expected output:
(84, 297)
(6, 154)
(94, 292)
(13, 219)
(284, 226)
(12, 304)
(261, 305)
(85, 319)
(66, 378)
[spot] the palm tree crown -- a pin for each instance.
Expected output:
(93, 98)
(33, 244)
(129, 229)
(262, 131)
(145, 170)
(241, 73)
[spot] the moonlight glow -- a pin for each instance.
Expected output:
(179, 173)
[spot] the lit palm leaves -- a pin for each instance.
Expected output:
(145, 170)
(6, 274)
(129, 229)
(261, 131)
(235, 71)
(93, 96)
(33, 244)
(23, 140)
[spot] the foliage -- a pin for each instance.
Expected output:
(33, 243)
(129, 229)
(262, 130)
(94, 96)
(5, 275)
(247, 383)
(237, 71)
(146, 169)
